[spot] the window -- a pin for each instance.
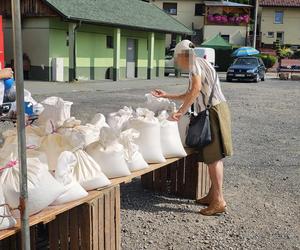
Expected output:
(170, 8)
(280, 36)
(226, 37)
(109, 42)
(270, 34)
(199, 9)
(278, 18)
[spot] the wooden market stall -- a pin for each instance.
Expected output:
(94, 222)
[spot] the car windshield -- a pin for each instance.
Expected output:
(246, 61)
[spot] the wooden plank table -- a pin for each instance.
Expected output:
(93, 222)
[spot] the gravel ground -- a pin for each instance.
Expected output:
(262, 179)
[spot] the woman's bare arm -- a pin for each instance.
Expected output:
(162, 94)
(178, 97)
(190, 98)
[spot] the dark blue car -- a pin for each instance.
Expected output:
(246, 68)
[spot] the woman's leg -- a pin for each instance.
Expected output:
(216, 199)
(216, 176)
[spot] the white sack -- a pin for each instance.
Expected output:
(53, 145)
(88, 172)
(118, 120)
(79, 135)
(183, 126)
(149, 140)
(33, 136)
(170, 139)
(109, 154)
(158, 104)
(67, 161)
(10, 145)
(133, 157)
(99, 121)
(6, 218)
(43, 189)
(56, 110)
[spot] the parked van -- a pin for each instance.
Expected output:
(206, 53)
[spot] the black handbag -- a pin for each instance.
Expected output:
(199, 133)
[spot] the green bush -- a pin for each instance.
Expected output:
(268, 60)
(285, 52)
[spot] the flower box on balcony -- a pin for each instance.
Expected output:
(228, 19)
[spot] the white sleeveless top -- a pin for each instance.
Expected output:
(209, 77)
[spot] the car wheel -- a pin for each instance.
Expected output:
(167, 74)
(257, 79)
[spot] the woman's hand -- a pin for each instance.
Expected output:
(159, 93)
(6, 73)
(175, 116)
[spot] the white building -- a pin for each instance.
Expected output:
(208, 18)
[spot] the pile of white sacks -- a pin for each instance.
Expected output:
(66, 158)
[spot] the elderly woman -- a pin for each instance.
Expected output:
(204, 80)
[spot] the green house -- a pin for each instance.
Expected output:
(91, 39)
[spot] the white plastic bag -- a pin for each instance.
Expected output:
(6, 218)
(67, 161)
(109, 154)
(158, 104)
(99, 121)
(55, 110)
(118, 120)
(183, 126)
(28, 97)
(79, 135)
(43, 189)
(2, 90)
(133, 157)
(170, 138)
(149, 139)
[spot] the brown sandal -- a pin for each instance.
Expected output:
(214, 210)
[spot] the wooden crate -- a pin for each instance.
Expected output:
(94, 225)
(184, 178)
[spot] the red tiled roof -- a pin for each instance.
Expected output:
(280, 3)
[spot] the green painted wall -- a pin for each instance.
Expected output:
(58, 44)
(94, 61)
(159, 57)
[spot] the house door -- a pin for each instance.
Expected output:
(131, 59)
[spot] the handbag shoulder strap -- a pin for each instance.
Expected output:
(209, 104)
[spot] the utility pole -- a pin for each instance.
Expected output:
(255, 23)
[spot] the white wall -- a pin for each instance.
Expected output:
(290, 25)
(35, 35)
(185, 12)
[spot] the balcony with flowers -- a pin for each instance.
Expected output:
(227, 13)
